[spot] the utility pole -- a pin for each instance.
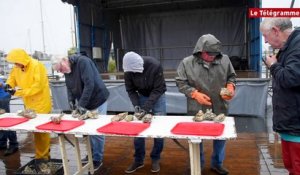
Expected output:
(29, 40)
(43, 36)
(72, 23)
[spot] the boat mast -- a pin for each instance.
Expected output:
(42, 23)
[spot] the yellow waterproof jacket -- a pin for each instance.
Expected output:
(31, 82)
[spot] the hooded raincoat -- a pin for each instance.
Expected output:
(32, 85)
(195, 74)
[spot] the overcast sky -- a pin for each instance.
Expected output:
(21, 25)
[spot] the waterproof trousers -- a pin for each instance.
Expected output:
(42, 145)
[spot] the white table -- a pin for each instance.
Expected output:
(160, 128)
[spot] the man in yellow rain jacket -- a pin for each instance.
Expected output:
(29, 79)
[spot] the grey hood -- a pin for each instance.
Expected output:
(133, 62)
(208, 43)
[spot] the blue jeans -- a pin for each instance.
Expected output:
(218, 154)
(159, 108)
(97, 141)
(5, 136)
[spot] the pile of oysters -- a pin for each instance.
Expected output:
(93, 114)
(208, 116)
(128, 118)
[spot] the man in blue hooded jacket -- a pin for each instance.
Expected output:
(10, 136)
(86, 91)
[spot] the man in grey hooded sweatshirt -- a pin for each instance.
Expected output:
(201, 77)
(145, 85)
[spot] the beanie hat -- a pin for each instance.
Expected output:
(133, 62)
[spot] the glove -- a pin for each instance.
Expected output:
(139, 113)
(201, 98)
(81, 110)
(137, 109)
(11, 91)
(230, 87)
(7, 87)
(72, 105)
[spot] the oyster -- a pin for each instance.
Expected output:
(225, 91)
(209, 115)
(57, 119)
(119, 117)
(199, 116)
(28, 170)
(219, 118)
(75, 114)
(147, 118)
(89, 114)
(2, 111)
(44, 168)
(128, 118)
(27, 113)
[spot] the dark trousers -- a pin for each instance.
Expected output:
(7, 136)
(139, 143)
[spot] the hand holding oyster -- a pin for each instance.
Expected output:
(225, 91)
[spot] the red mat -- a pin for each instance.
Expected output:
(10, 121)
(65, 125)
(202, 129)
(123, 128)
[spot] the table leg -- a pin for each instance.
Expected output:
(77, 151)
(195, 162)
(64, 154)
(89, 153)
(87, 166)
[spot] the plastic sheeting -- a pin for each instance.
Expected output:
(59, 96)
(250, 98)
(171, 36)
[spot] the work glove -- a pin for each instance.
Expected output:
(230, 92)
(79, 111)
(139, 113)
(201, 98)
(11, 91)
(8, 89)
(72, 105)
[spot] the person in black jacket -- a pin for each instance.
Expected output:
(145, 85)
(285, 71)
(86, 91)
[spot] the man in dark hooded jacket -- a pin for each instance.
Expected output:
(285, 71)
(145, 85)
(201, 77)
(85, 86)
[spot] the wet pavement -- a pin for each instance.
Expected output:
(256, 151)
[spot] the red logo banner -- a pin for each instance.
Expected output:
(273, 12)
